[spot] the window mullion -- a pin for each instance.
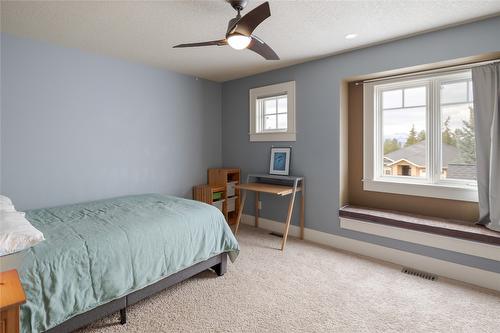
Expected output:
(276, 110)
(435, 133)
(430, 131)
(262, 117)
(379, 152)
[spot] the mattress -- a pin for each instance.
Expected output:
(12, 261)
(99, 251)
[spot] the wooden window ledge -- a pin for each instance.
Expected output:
(433, 225)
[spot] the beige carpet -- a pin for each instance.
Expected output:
(310, 288)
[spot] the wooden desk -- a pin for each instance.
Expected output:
(11, 297)
(296, 185)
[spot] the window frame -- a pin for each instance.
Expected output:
(257, 132)
(431, 185)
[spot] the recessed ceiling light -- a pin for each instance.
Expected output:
(351, 36)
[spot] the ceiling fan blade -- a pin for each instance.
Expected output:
(210, 43)
(260, 47)
(247, 24)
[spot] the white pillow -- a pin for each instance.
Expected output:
(17, 233)
(6, 204)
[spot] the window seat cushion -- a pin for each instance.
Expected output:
(434, 225)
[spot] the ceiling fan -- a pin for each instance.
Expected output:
(239, 31)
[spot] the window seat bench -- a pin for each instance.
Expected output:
(432, 225)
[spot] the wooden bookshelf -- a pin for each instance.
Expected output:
(227, 178)
(205, 193)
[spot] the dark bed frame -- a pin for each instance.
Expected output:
(218, 263)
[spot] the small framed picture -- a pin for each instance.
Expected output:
(280, 161)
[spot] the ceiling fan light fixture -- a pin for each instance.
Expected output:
(239, 42)
(239, 33)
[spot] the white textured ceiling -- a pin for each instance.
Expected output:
(145, 31)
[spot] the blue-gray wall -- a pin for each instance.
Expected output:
(315, 154)
(76, 126)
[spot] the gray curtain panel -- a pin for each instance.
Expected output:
(486, 83)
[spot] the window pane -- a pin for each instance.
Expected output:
(454, 92)
(405, 147)
(392, 99)
(458, 142)
(270, 106)
(471, 96)
(282, 105)
(282, 121)
(270, 122)
(415, 97)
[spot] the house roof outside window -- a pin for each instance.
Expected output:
(416, 154)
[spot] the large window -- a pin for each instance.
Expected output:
(272, 112)
(419, 136)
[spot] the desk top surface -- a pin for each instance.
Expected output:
(267, 188)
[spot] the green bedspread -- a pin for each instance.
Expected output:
(99, 251)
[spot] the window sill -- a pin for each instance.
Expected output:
(273, 136)
(457, 236)
(422, 190)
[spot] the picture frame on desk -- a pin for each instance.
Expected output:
(280, 161)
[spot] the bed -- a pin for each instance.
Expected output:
(99, 257)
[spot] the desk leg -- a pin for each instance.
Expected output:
(240, 211)
(302, 209)
(256, 209)
(288, 220)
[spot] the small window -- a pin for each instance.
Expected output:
(272, 112)
(419, 136)
(275, 113)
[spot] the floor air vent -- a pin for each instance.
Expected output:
(420, 274)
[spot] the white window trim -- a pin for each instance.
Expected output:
(372, 147)
(285, 88)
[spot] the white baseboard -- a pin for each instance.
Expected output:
(443, 268)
